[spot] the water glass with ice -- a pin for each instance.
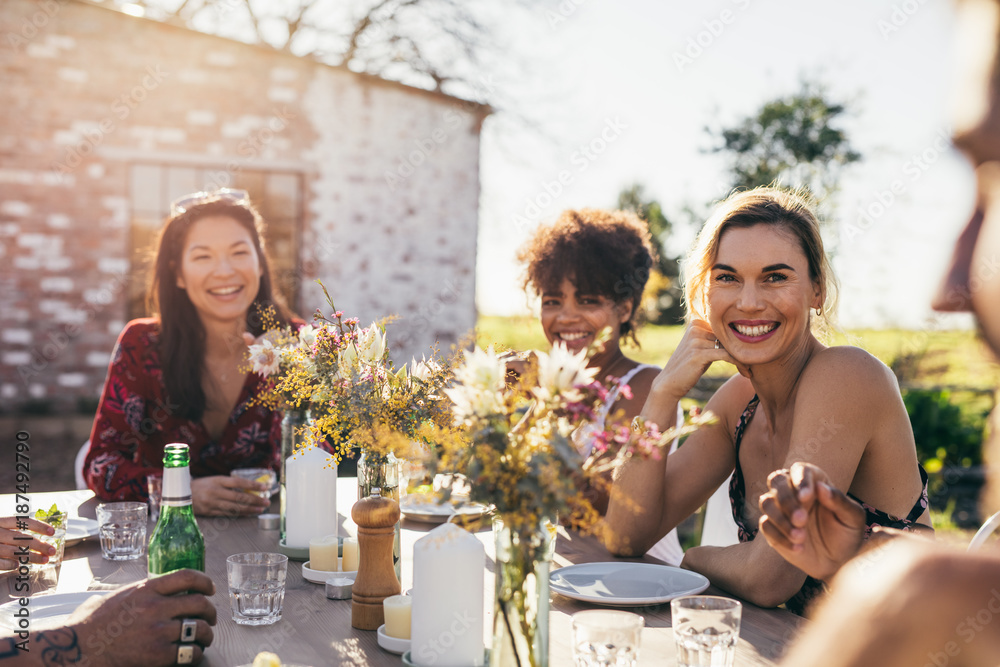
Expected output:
(57, 540)
(706, 629)
(606, 638)
(44, 577)
(257, 587)
(122, 530)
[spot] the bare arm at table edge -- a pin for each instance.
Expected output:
(639, 513)
(147, 615)
(910, 603)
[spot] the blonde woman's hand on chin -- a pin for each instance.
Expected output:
(694, 354)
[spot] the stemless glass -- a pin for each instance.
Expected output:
(706, 628)
(57, 540)
(262, 475)
(257, 587)
(606, 638)
(122, 530)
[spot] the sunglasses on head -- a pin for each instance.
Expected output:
(230, 195)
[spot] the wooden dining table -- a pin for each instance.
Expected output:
(317, 631)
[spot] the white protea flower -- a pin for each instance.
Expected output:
(482, 369)
(560, 372)
(472, 402)
(307, 336)
(347, 361)
(423, 370)
(371, 345)
(265, 357)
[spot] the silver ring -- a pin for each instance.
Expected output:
(185, 655)
(189, 627)
(718, 345)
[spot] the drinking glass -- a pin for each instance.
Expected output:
(257, 587)
(706, 628)
(263, 475)
(122, 530)
(154, 485)
(57, 540)
(605, 638)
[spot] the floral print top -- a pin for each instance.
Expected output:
(135, 420)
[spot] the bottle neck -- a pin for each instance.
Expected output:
(176, 487)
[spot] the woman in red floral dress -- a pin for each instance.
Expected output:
(182, 376)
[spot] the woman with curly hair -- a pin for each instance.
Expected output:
(589, 269)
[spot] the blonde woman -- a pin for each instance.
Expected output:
(759, 284)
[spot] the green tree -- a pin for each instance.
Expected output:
(795, 141)
(662, 297)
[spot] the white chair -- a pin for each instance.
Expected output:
(78, 465)
(984, 532)
(719, 528)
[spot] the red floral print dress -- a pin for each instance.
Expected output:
(135, 419)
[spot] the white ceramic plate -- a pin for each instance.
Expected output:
(392, 644)
(77, 530)
(625, 584)
(430, 511)
(53, 608)
(320, 576)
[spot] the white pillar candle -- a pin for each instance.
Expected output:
(311, 493)
(397, 616)
(350, 554)
(449, 567)
(323, 554)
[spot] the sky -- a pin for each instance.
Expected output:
(637, 81)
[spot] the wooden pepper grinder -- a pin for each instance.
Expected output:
(376, 519)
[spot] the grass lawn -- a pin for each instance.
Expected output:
(935, 358)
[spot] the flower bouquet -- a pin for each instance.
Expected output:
(343, 375)
(511, 448)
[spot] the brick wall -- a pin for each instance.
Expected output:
(389, 173)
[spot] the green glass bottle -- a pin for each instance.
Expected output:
(177, 543)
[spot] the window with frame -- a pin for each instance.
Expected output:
(276, 194)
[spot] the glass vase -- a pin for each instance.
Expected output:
(292, 436)
(521, 608)
(382, 471)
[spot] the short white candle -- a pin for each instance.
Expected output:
(397, 616)
(350, 554)
(310, 497)
(323, 554)
(449, 567)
